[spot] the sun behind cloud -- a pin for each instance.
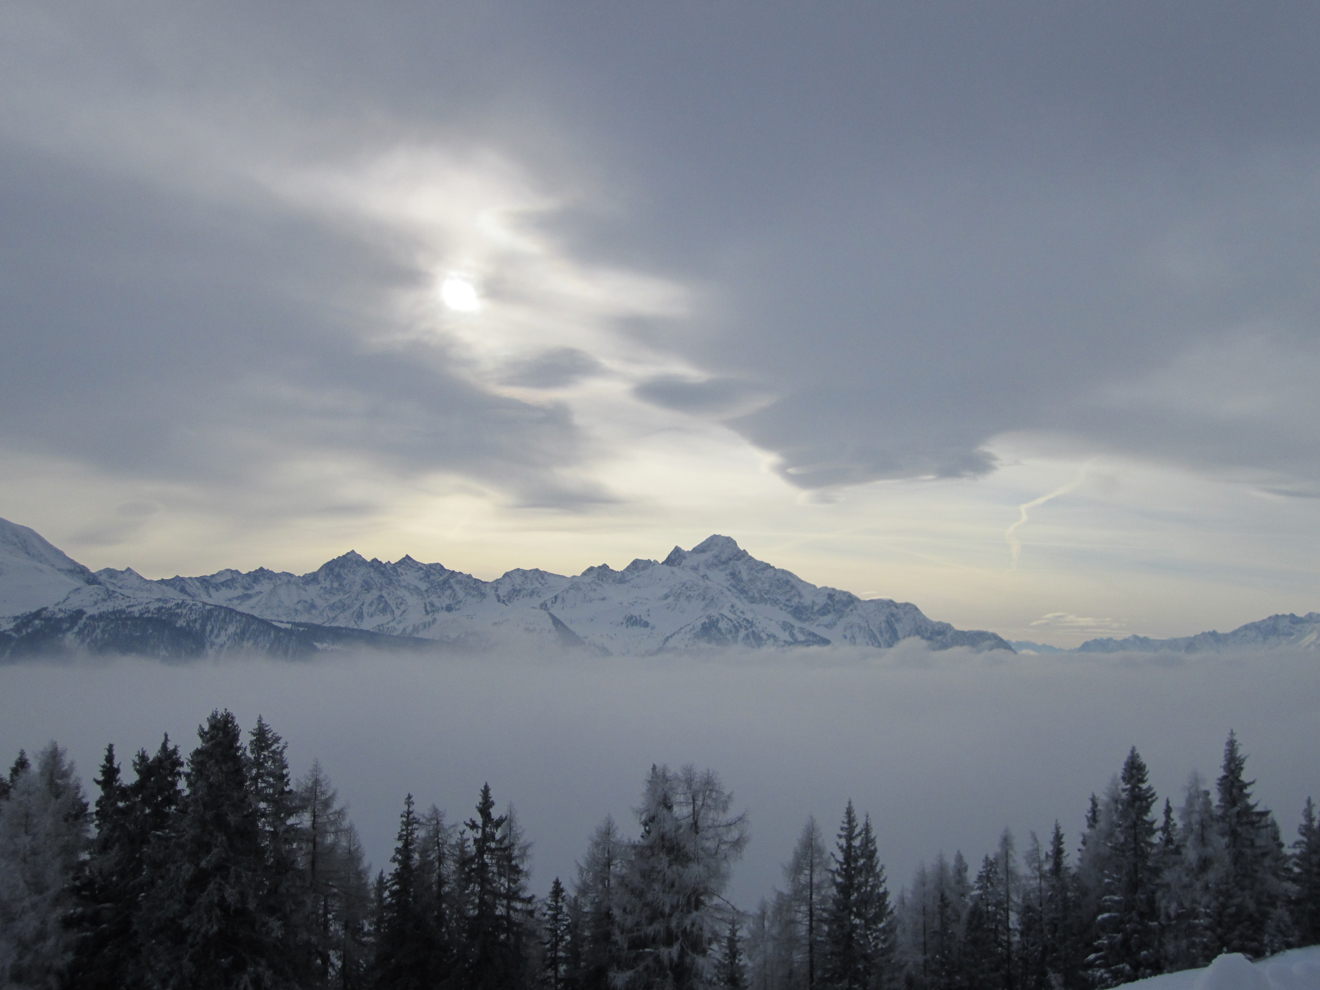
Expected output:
(459, 293)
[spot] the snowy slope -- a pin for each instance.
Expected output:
(32, 572)
(1297, 969)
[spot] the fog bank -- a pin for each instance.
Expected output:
(942, 749)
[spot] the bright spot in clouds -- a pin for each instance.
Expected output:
(459, 294)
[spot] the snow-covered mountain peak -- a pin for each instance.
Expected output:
(713, 551)
(34, 573)
(718, 550)
(347, 560)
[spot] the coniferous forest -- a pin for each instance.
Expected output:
(219, 870)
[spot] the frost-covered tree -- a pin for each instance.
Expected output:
(597, 891)
(334, 884)
(930, 921)
(669, 912)
(758, 948)
(803, 903)
(1190, 868)
(43, 833)
(1033, 952)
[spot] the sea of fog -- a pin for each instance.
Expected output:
(942, 749)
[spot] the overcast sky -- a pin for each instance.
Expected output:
(861, 285)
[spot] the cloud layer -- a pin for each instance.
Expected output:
(944, 750)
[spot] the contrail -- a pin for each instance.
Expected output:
(1014, 544)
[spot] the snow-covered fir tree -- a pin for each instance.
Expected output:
(1306, 878)
(1248, 894)
(1127, 946)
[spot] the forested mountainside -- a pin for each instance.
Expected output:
(220, 871)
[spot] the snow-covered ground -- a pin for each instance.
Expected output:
(1298, 969)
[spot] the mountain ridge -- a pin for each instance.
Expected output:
(713, 595)
(1283, 629)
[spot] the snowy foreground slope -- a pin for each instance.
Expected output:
(1297, 969)
(714, 595)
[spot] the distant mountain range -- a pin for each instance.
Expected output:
(714, 595)
(1298, 631)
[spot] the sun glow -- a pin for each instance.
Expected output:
(459, 294)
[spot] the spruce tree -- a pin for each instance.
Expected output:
(1128, 945)
(286, 904)
(497, 935)
(203, 914)
(875, 912)
(845, 967)
(1306, 875)
(555, 937)
(1063, 925)
(731, 974)
(106, 950)
(403, 938)
(985, 959)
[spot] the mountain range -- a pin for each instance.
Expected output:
(1298, 631)
(714, 595)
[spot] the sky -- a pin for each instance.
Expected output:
(943, 749)
(1008, 310)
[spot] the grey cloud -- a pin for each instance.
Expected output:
(713, 396)
(161, 336)
(939, 225)
(926, 225)
(555, 368)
